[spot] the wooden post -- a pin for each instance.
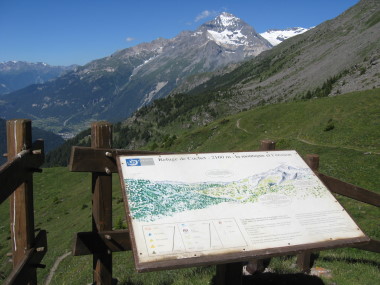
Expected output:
(19, 138)
(304, 260)
(313, 161)
(266, 145)
(101, 137)
(229, 274)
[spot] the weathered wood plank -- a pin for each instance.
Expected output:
(89, 159)
(31, 260)
(13, 172)
(346, 189)
(19, 138)
(101, 137)
(86, 243)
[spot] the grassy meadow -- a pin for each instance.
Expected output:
(343, 130)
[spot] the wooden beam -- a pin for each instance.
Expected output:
(101, 137)
(19, 140)
(86, 243)
(31, 260)
(89, 159)
(13, 172)
(373, 245)
(346, 189)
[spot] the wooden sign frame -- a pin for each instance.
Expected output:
(146, 260)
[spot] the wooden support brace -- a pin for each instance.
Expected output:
(349, 190)
(89, 159)
(31, 260)
(13, 172)
(86, 243)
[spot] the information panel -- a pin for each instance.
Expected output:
(182, 208)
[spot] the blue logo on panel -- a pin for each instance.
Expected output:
(133, 162)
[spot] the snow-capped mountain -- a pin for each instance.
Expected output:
(276, 37)
(113, 87)
(231, 32)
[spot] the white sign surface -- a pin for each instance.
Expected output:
(194, 205)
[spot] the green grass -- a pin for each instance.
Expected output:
(354, 119)
(348, 151)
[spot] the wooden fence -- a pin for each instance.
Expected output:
(16, 180)
(100, 160)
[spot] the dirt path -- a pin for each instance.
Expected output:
(240, 128)
(55, 266)
(345, 147)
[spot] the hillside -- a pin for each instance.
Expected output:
(349, 121)
(338, 56)
(348, 147)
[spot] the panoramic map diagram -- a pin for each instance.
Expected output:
(193, 205)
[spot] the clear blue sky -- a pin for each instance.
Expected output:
(64, 32)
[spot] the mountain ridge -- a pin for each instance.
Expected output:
(16, 75)
(113, 87)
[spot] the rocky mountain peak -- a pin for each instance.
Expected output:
(223, 22)
(230, 31)
(226, 20)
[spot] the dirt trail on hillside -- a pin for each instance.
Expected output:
(55, 266)
(345, 147)
(240, 128)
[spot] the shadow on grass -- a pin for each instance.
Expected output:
(282, 279)
(350, 260)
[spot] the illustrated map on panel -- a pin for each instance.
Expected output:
(193, 205)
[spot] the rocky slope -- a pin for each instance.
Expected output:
(338, 56)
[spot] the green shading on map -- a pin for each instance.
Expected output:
(150, 200)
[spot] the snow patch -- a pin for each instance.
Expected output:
(109, 69)
(196, 34)
(276, 37)
(228, 19)
(137, 68)
(228, 37)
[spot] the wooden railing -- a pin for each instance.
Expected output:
(100, 159)
(16, 183)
